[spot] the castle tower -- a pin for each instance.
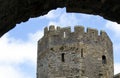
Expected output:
(78, 54)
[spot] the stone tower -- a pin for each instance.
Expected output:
(78, 54)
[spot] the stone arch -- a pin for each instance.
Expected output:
(13, 12)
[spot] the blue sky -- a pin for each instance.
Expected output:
(18, 51)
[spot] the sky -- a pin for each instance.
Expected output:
(18, 47)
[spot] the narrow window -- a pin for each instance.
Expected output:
(64, 34)
(62, 57)
(83, 72)
(82, 52)
(100, 75)
(104, 59)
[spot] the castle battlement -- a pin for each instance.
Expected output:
(79, 32)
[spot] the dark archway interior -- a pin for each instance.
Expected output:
(13, 12)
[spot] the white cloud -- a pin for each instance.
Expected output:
(116, 68)
(36, 36)
(11, 72)
(117, 48)
(114, 27)
(65, 20)
(15, 52)
(59, 17)
(52, 14)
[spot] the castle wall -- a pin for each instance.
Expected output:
(78, 54)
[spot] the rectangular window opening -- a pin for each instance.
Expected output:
(63, 58)
(104, 59)
(82, 52)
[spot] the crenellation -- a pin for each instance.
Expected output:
(66, 29)
(92, 30)
(52, 31)
(79, 32)
(52, 28)
(79, 29)
(58, 28)
(92, 33)
(45, 31)
(65, 32)
(103, 34)
(65, 35)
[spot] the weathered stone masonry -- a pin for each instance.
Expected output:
(78, 54)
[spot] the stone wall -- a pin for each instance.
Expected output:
(78, 54)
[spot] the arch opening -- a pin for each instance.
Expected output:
(104, 60)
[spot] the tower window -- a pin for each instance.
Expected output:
(82, 52)
(83, 72)
(63, 57)
(100, 75)
(104, 59)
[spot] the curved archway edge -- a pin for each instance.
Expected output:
(13, 12)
